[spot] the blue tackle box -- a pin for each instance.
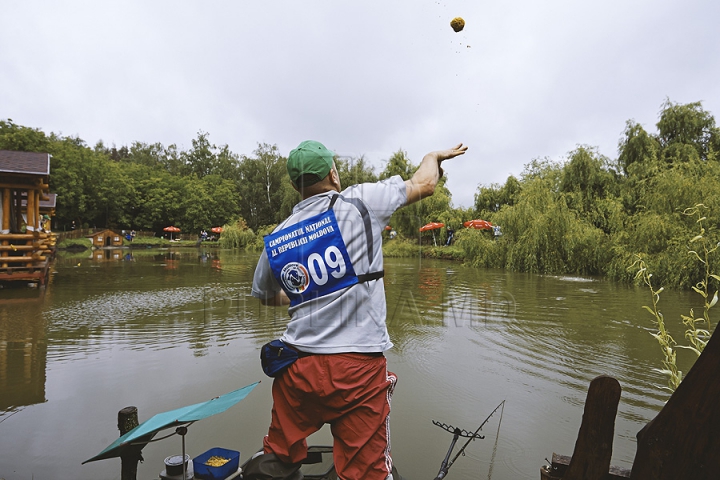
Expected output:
(207, 472)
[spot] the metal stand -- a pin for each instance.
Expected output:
(182, 431)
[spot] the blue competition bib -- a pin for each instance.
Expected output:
(310, 259)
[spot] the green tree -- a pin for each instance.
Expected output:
(682, 126)
(353, 171)
(261, 180)
(22, 139)
(636, 146)
(398, 164)
(76, 173)
(200, 160)
(490, 199)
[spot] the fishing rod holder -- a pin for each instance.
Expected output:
(457, 431)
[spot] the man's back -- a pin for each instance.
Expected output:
(351, 319)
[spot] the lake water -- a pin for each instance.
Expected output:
(161, 329)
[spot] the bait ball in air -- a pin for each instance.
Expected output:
(457, 24)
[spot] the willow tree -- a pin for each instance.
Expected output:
(683, 126)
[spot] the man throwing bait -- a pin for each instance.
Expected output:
(325, 261)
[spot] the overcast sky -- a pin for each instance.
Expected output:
(525, 79)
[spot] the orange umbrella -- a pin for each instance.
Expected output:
(171, 229)
(431, 226)
(478, 224)
(216, 229)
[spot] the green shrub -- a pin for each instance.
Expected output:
(401, 247)
(151, 241)
(70, 243)
(237, 235)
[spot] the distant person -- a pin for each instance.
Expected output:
(325, 261)
(497, 232)
(451, 234)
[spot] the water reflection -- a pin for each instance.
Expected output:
(23, 348)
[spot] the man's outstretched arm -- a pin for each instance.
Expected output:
(426, 177)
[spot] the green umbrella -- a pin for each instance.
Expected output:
(144, 432)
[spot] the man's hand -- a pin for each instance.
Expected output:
(458, 149)
(423, 182)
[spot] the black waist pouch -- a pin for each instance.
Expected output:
(276, 357)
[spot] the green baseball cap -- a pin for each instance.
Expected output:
(310, 157)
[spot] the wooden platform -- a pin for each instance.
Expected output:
(38, 273)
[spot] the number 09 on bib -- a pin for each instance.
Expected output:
(309, 259)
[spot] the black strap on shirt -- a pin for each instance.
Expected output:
(360, 206)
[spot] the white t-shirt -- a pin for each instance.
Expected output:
(351, 319)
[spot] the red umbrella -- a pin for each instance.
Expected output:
(479, 224)
(431, 226)
(216, 229)
(171, 229)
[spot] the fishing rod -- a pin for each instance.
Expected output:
(457, 433)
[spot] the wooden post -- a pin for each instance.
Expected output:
(5, 221)
(6, 210)
(682, 441)
(30, 217)
(127, 420)
(593, 448)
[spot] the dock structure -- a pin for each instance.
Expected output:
(26, 243)
(681, 442)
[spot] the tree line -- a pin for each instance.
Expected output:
(592, 215)
(586, 214)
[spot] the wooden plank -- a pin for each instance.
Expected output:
(22, 236)
(15, 248)
(23, 259)
(593, 448)
(26, 186)
(683, 440)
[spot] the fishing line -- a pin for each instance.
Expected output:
(497, 436)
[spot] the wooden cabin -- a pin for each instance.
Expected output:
(105, 238)
(25, 248)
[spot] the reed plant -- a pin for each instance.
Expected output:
(665, 340)
(697, 329)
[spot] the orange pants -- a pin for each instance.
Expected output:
(352, 393)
